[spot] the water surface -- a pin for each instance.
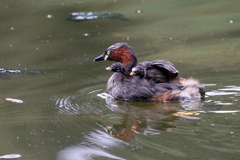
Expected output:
(65, 113)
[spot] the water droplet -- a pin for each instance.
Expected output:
(170, 38)
(138, 11)
(49, 16)
(86, 34)
(11, 28)
(230, 21)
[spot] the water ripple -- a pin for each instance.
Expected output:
(219, 93)
(77, 104)
(230, 88)
(224, 91)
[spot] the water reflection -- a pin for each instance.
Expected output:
(146, 118)
(227, 91)
(95, 144)
(230, 88)
(225, 111)
(126, 121)
(82, 16)
(217, 93)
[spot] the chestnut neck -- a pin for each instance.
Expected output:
(129, 62)
(126, 56)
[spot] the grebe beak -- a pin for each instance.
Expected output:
(101, 57)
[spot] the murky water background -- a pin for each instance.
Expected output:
(65, 113)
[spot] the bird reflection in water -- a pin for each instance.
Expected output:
(147, 118)
(126, 135)
(130, 119)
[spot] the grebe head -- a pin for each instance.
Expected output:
(120, 52)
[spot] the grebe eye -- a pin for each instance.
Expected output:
(106, 56)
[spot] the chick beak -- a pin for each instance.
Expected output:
(132, 74)
(108, 68)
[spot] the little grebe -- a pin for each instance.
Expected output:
(134, 88)
(118, 67)
(157, 70)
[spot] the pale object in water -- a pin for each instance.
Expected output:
(14, 100)
(10, 156)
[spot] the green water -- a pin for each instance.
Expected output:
(65, 113)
